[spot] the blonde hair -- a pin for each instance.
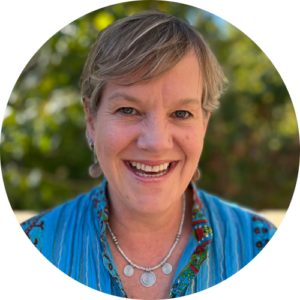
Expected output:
(143, 46)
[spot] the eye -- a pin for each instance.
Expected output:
(127, 110)
(182, 114)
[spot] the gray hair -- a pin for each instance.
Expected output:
(143, 46)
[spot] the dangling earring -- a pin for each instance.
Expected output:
(197, 174)
(95, 169)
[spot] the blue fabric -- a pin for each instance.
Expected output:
(224, 239)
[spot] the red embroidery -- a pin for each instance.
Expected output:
(199, 221)
(207, 242)
(96, 203)
(194, 269)
(199, 233)
(41, 225)
(195, 195)
(199, 249)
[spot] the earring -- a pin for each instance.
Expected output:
(197, 174)
(90, 141)
(95, 169)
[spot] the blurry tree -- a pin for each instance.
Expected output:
(251, 152)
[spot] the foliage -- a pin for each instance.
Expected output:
(251, 152)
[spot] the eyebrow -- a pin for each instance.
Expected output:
(185, 101)
(118, 95)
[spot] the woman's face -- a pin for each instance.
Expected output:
(159, 126)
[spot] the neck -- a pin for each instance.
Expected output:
(125, 220)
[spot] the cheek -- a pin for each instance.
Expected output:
(112, 138)
(192, 144)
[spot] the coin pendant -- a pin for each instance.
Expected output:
(167, 268)
(128, 270)
(148, 279)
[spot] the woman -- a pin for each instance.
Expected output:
(149, 86)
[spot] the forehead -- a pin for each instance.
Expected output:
(183, 81)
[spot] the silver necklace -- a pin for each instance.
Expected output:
(148, 277)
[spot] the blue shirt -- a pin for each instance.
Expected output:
(224, 238)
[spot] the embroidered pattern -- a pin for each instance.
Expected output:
(262, 229)
(203, 234)
(34, 229)
(101, 211)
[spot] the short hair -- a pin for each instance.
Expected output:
(143, 46)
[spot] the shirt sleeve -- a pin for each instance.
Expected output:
(30, 248)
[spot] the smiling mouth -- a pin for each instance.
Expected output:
(143, 173)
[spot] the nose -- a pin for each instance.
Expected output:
(155, 136)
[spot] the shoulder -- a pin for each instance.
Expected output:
(64, 215)
(230, 219)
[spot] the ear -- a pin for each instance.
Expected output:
(90, 122)
(206, 116)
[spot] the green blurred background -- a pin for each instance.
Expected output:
(251, 152)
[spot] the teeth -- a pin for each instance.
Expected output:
(153, 175)
(146, 168)
(155, 169)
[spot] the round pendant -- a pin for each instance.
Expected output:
(148, 279)
(128, 270)
(167, 268)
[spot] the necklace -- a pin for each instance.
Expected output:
(148, 278)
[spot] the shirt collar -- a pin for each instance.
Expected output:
(200, 227)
